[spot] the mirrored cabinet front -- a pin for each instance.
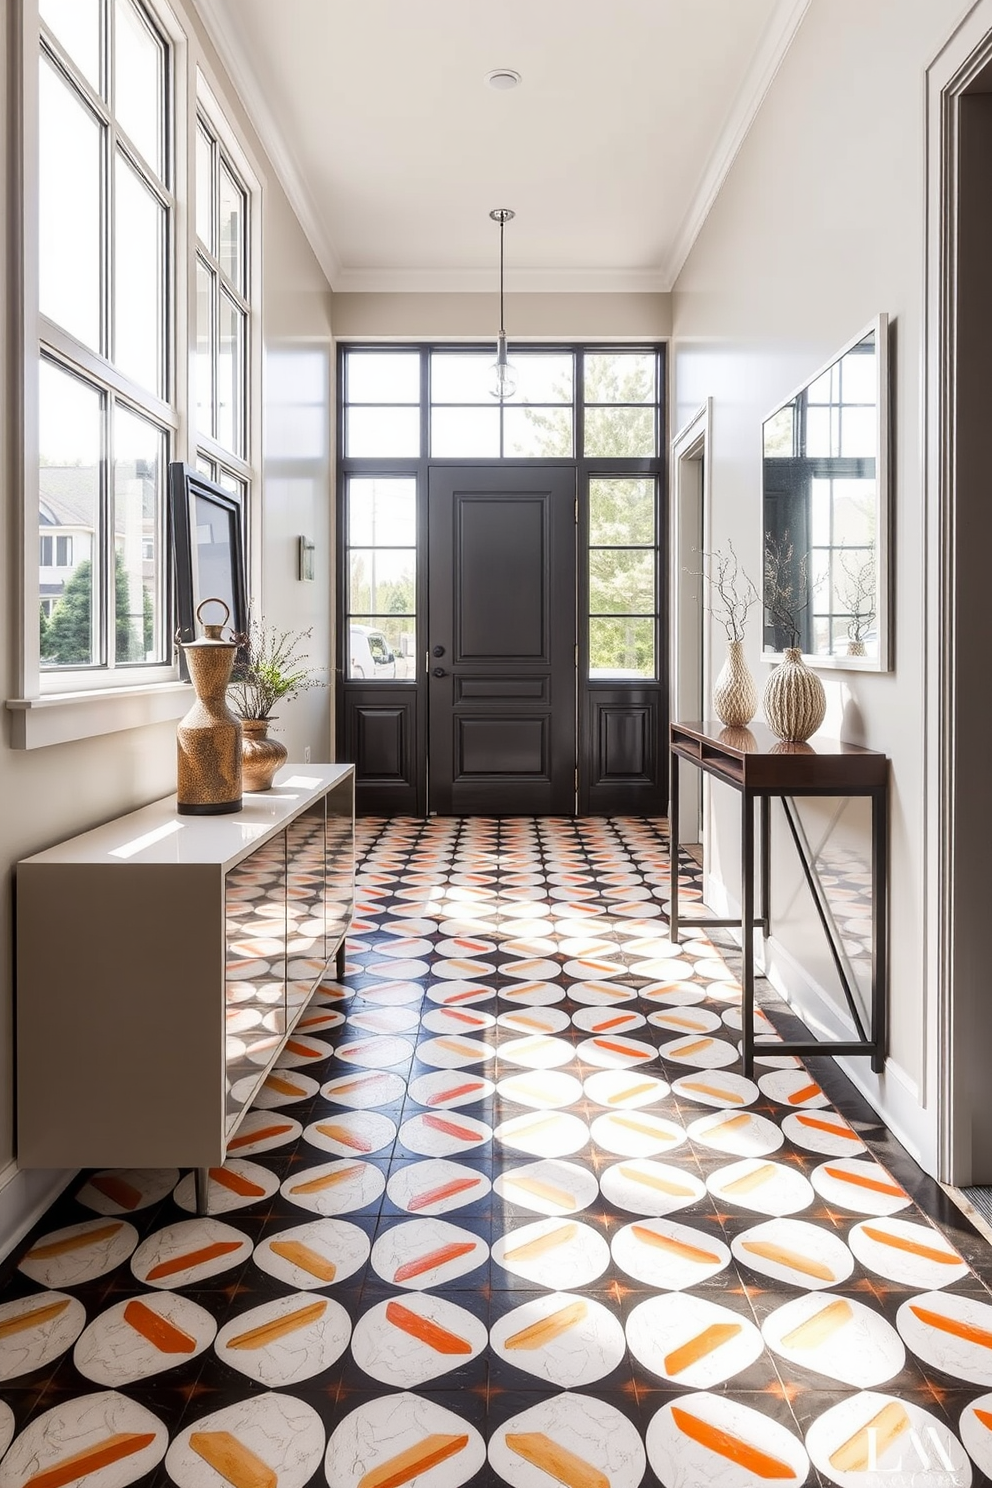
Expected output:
(825, 512)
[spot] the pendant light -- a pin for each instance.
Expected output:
(503, 375)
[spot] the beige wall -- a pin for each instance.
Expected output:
(51, 793)
(819, 226)
(533, 317)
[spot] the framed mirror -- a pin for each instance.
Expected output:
(825, 509)
(207, 526)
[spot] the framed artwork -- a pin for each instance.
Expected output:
(208, 548)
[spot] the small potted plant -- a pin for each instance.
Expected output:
(732, 594)
(270, 668)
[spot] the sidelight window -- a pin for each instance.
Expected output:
(381, 578)
(623, 593)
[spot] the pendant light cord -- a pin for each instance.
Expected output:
(502, 328)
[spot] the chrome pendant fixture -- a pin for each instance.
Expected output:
(502, 374)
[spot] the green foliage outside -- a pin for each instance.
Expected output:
(67, 636)
(621, 511)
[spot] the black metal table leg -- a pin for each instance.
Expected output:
(747, 931)
(879, 925)
(673, 852)
(765, 915)
(339, 960)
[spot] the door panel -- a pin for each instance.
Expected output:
(380, 735)
(501, 577)
(624, 754)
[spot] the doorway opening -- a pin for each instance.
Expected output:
(502, 581)
(689, 663)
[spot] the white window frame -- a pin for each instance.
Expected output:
(54, 707)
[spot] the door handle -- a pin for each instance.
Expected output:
(438, 651)
(439, 672)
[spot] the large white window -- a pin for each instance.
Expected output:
(106, 410)
(145, 203)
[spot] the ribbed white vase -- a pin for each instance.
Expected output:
(735, 697)
(794, 700)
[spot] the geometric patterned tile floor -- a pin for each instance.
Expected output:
(509, 1213)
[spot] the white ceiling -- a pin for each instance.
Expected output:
(393, 148)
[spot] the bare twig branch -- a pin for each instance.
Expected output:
(787, 590)
(858, 591)
(732, 593)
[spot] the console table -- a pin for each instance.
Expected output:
(760, 766)
(163, 961)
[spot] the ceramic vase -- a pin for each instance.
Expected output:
(794, 700)
(735, 697)
(208, 775)
(857, 648)
(261, 756)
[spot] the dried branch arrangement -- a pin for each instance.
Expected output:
(858, 592)
(787, 591)
(732, 593)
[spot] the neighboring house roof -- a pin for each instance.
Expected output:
(67, 497)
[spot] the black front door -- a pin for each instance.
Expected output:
(501, 634)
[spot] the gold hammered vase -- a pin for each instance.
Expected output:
(735, 697)
(261, 756)
(208, 775)
(794, 700)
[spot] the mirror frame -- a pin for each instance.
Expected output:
(883, 661)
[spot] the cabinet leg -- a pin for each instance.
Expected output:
(339, 956)
(201, 1178)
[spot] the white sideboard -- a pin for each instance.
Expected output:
(162, 963)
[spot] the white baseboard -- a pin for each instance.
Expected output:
(894, 1094)
(25, 1194)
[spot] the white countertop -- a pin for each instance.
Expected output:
(158, 834)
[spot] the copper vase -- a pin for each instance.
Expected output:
(261, 756)
(208, 780)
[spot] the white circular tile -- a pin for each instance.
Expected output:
(322, 1252)
(436, 1186)
(560, 1337)
(554, 1253)
(668, 1255)
(704, 1439)
(692, 1341)
(835, 1336)
(550, 1186)
(403, 1438)
(795, 1252)
(427, 1253)
(642, 1186)
(407, 1342)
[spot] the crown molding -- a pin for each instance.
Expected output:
(775, 41)
(222, 29)
(483, 281)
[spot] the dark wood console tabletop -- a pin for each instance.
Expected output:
(759, 765)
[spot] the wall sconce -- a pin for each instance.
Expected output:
(307, 549)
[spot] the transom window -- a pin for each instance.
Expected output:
(403, 408)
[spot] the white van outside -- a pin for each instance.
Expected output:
(370, 654)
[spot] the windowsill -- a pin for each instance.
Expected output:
(61, 717)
